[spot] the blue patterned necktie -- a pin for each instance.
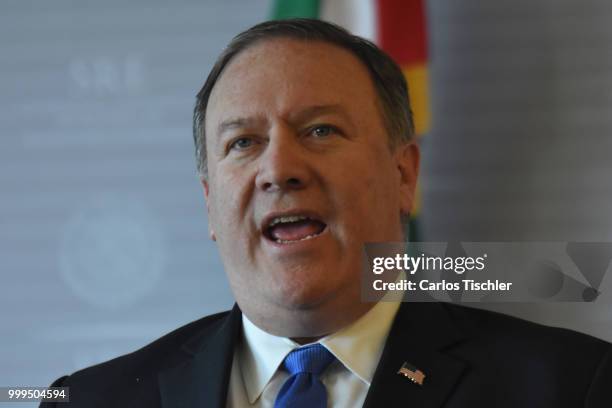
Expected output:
(304, 389)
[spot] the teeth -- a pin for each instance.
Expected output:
(288, 218)
(282, 241)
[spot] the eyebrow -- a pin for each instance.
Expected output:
(236, 123)
(301, 116)
(313, 111)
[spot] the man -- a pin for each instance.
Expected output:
(304, 142)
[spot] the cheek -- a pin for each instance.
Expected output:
(354, 199)
(229, 201)
(372, 203)
(233, 225)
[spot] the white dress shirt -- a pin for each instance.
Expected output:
(257, 374)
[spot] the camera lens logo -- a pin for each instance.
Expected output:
(112, 253)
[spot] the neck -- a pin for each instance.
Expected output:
(307, 326)
(306, 340)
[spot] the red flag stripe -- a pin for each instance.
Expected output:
(401, 30)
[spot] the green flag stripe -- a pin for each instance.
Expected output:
(295, 8)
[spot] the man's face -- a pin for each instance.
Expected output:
(300, 176)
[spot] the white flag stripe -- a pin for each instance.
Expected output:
(357, 16)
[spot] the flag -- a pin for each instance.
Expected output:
(396, 26)
(412, 373)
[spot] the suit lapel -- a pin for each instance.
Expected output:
(202, 379)
(419, 335)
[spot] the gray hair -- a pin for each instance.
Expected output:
(386, 75)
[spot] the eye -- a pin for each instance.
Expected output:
(323, 130)
(241, 143)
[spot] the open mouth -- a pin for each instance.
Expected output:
(293, 228)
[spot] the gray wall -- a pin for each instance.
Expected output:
(103, 237)
(103, 243)
(521, 146)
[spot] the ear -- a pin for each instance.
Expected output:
(205, 186)
(407, 158)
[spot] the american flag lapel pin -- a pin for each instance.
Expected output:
(412, 373)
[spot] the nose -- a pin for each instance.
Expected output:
(283, 165)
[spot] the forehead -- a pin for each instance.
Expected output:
(280, 75)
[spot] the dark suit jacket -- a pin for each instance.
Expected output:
(471, 358)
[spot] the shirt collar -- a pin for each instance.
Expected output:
(358, 347)
(260, 355)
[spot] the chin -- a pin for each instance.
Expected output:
(301, 298)
(301, 292)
